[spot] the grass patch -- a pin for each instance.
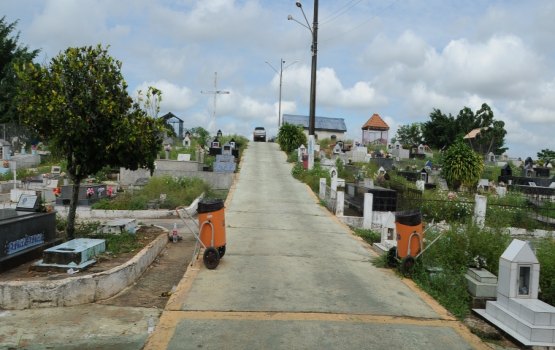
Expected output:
(179, 192)
(368, 235)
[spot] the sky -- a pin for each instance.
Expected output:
(398, 58)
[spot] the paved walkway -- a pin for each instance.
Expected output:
(294, 277)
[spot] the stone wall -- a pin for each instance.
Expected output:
(218, 181)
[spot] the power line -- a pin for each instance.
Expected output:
(342, 11)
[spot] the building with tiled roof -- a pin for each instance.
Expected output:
(375, 131)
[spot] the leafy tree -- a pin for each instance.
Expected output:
(290, 137)
(492, 132)
(409, 135)
(10, 53)
(201, 134)
(442, 130)
(80, 106)
(546, 155)
(461, 165)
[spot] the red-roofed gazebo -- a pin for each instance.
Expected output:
(375, 131)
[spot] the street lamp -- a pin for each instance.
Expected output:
(282, 68)
(314, 49)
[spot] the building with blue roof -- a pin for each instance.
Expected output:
(323, 127)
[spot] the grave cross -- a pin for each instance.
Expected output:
(215, 92)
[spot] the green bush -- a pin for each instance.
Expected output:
(179, 192)
(290, 137)
(546, 256)
(368, 235)
(310, 177)
(456, 250)
(461, 165)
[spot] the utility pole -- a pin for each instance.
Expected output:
(215, 92)
(281, 69)
(314, 49)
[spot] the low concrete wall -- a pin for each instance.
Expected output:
(218, 181)
(18, 295)
(353, 221)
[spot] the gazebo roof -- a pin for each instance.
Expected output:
(375, 123)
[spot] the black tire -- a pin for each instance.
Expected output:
(392, 257)
(407, 266)
(221, 250)
(211, 258)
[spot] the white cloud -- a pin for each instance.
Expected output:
(64, 23)
(501, 67)
(330, 92)
(408, 49)
(175, 99)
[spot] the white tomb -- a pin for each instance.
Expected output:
(517, 310)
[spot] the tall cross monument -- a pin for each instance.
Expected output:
(215, 92)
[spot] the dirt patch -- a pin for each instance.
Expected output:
(156, 284)
(152, 289)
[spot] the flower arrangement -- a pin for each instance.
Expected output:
(479, 262)
(109, 191)
(57, 191)
(90, 192)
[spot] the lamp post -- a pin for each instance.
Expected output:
(281, 69)
(314, 49)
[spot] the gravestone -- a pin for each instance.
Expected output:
(359, 154)
(507, 170)
(226, 150)
(23, 229)
(517, 310)
(88, 194)
(215, 147)
(225, 163)
(77, 254)
(184, 157)
(187, 141)
(118, 226)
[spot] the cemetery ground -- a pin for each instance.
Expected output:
(152, 289)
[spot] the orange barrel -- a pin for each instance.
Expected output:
(409, 232)
(211, 211)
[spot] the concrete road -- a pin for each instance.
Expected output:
(294, 277)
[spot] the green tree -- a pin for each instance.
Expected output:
(409, 135)
(10, 53)
(492, 132)
(290, 137)
(80, 106)
(546, 155)
(461, 165)
(442, 130)
(201, 134)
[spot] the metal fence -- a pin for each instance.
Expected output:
(530, 212)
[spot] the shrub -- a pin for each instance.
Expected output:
(290, 137)
(310, 177)
(457, 249)
(179, 192)
(461, 165)
(368, 235)
(546, 256)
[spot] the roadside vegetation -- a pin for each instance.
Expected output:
(178, 192)
(440, 270)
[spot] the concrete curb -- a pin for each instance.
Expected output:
(19, 295)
